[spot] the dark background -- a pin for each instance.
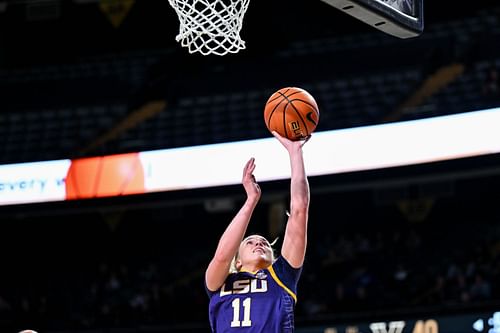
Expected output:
(383, 244)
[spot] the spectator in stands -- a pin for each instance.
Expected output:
(247, 287)
(491, 85)
(480, 289)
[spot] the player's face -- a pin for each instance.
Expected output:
(255, 250)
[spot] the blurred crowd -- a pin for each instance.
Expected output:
(394, 269)
(161, 283)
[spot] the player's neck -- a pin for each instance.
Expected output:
(254, 267)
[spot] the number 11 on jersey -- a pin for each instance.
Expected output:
(247, 302)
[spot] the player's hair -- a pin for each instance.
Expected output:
(232, 267)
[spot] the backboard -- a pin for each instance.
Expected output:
(400, 18)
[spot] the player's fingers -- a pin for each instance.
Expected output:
(245, 168)
(248, 164)
(279, 137)
(249, 167)
(276, 134)
(306, 139)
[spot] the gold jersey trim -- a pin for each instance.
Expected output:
(281, 284)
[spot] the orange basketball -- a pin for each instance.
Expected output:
(105, 176)
(292, 112)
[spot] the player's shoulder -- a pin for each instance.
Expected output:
(280, 260)
(282, 265)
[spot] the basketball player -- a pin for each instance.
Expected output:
(249, 290)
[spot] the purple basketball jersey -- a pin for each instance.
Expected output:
(256, 302)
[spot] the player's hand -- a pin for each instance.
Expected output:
(289, 144)
(249, 182)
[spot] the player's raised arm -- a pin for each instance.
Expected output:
(295, 241)
(218, 269)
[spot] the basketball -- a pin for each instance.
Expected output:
(292, 112)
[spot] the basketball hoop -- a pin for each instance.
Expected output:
(210, 26)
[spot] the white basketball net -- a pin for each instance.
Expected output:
(210, 26)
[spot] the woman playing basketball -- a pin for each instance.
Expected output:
(249, 290)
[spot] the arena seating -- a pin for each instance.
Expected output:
(130, 272)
